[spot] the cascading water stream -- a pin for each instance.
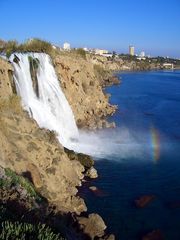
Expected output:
(43, 98)
(50, 108)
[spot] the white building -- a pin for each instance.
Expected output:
(101, 51)
(142, 54)
(86, 49)
(168, 65)
(67, 46)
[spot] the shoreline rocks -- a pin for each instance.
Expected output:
(91, 173)
(93, 225)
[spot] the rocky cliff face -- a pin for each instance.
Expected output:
(83, 91)
(6, 82)
(119, 64)
(36, 154)
(27, 149)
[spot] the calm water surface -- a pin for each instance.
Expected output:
(149, 105)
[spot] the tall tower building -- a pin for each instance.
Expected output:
(131, 50)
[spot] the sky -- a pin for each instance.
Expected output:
(152, 26)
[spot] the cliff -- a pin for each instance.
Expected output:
(126, 63)
(82, 87)
(37, 155)
(6, 81)
(35, 152)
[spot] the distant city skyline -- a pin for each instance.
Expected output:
(150, 26)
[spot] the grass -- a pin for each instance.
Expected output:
(80, 52)
(15, 179)
(32, 45)
(17, 220)
(26, 231)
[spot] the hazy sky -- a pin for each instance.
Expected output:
(149, 25)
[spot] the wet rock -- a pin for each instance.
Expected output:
(111, 80)
(16, 59)
(93, 226)
(144, 201)
(92, 173)
(84, 159)
(93, 188)
(154, 235)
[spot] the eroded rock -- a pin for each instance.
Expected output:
(84, 159)
(92, 173)
(83, 90)
(93, 225)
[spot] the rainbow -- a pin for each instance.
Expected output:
(155, 141)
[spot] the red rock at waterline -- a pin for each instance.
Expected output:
(154, 235)
(144, 201)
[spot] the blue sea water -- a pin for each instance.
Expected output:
(146, 100)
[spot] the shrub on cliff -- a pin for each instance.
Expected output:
(9, 47)
(26, 231)
(32, 45)
(81, 52)
(36, 45)
(14, 179)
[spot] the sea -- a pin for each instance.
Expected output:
(148, 162)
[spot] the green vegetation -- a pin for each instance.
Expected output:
(26, 231)
(15, 180)
(80, 52)
(127, 57)
(32, 45)
(10, 47)
(12, 179)
(23, 218)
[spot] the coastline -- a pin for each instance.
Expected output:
(83, 85)
(44, 177)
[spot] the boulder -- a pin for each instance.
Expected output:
(84, 159)
(93, 225)
(93, 188)
(34, 175)
(92, 173)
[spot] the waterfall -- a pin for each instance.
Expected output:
(43, 97)
(38, 86)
